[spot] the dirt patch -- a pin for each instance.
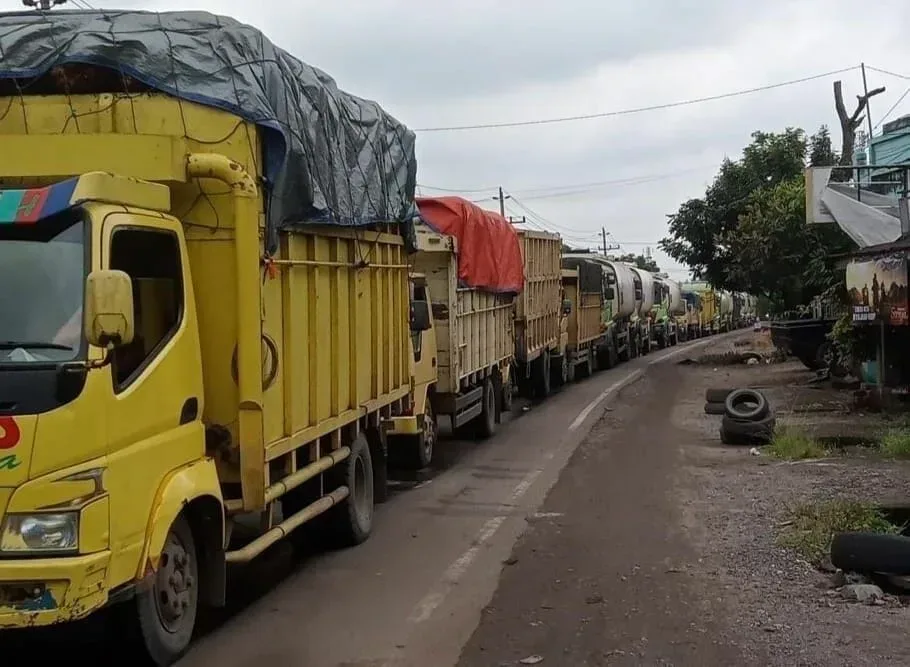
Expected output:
(740, 503)
(660, 546)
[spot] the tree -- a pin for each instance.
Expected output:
(749, 233)
(640, 261)
(698, 227)
(821, 152)
(849, 123)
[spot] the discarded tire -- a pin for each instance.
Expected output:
(871, 552)
(735, 431)
(712, 408)
(715, 395)
(747, 404)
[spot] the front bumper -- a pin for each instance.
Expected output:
(403, 425)
(46, 591)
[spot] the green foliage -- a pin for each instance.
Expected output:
(812, 526)
(821, 151)
(642, 262)
(896, 444)
(748, 233)
(793, 445)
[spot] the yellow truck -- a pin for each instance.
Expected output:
(540, 313)
(585, 331)
(463, 340)
(173, 361)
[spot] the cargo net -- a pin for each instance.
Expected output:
(328, 157)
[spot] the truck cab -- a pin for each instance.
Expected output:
(100, 403)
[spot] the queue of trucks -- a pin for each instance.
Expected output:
(182, 359)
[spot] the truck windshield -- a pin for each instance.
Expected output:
(42, 273)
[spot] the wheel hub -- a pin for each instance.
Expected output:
(173, 584)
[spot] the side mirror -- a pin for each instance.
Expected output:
(109, 309)
(566, 306)
(610, 293)
(420, 316)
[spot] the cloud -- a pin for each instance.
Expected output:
(462, 62)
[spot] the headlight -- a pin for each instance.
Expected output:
(24, 533)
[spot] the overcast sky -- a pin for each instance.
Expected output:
(462, 62)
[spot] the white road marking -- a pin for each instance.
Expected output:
(590, 407)
(453, 574)
(457, 569)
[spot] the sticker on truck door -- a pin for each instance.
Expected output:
(9, 438)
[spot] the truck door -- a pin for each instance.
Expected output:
(154, 408)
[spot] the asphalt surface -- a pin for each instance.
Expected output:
(414, 593)
(600, 576)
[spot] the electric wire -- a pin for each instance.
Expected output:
(636, 110)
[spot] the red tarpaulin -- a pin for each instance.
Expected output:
(489, 253)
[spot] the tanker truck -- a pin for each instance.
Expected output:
(620, 342)
(667, 312)
(645, 298)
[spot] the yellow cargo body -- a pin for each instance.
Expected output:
(323, 323)
(474, 329)
(584, 319)
(537, 308)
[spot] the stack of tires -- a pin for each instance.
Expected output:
(747, 418)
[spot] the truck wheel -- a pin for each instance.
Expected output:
(626, 354)
(559, 370)
(351, 521)
(486, 420)
(416, 452)
(166, 610)
(506, 405)
(542, 378)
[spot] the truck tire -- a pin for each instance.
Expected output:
(486, 420)
(542, 384)
(871, 552)
(747, 404)
(559, 370)
(351, 521)
(416, 452)
(626, 354)
(603, 357)
(166, 610)
(505, 398)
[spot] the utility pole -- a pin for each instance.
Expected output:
(502, 202)
(603, 234)
(862, 66)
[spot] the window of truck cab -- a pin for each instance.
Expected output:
(43, 265)
(151, 257)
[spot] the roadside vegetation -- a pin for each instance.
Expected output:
(895, 444)
(791, 444)
(810, 527)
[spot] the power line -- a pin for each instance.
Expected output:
(889, 73)
(625, 112)
(893, 107)
(548, 191)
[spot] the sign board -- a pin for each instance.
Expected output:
(878, 290)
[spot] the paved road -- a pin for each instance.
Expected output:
(413, 594)
(600, 576)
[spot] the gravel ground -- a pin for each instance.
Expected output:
(658, 544)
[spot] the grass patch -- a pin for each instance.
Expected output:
(812, 526)
(793, 445)
(896, 444)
